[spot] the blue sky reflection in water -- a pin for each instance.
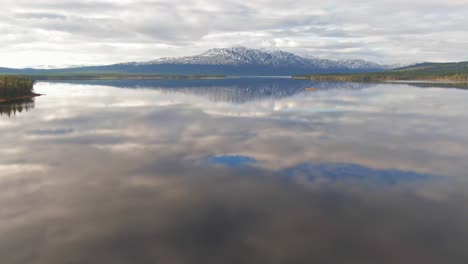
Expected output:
(235, 171)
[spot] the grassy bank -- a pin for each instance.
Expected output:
(12, 87)
(388, 76)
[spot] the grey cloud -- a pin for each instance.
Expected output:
(41, 16)
(399, 30)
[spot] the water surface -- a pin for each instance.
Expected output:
(254, 170)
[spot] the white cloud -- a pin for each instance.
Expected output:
(53, 32)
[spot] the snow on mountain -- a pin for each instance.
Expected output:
(239, 56)
(322, 63)
(348, 64)
(237, 61)
(361, 64)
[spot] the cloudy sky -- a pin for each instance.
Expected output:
(82, 32)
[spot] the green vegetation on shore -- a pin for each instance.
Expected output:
(439, 72)
(15, 86)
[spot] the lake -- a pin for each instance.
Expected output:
(239, 170)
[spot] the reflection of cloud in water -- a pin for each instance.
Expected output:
(353, 172)
(158, 208)
(331, 172)
(120, 176)
(384, 127)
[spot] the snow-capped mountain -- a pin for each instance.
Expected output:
(362, 64)
(349, 64)
(241, 56)
(237, 61)
(237, 56)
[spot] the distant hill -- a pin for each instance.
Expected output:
(441, 72)
(230, 61)
(455, 67)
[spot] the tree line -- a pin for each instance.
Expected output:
(15, 86)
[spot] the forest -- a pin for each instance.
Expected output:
(15, 86)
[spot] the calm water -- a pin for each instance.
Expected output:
(235, 171)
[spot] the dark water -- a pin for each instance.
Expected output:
(12, 108)
(235, 171)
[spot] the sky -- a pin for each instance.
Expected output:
(55, 33)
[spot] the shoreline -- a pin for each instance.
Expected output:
(344, 78)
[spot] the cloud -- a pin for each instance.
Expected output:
(173, 211)
(98, 32)
(112, 181)
(344, 123)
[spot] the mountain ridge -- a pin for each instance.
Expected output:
(225, 61)
(242, 56)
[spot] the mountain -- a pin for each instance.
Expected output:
(273, 61)
(238, 56)
(229, 61)
(351, 65)
(362, 65)
(10, 71)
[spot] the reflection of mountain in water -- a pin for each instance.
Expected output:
(234, 90)
(13, 108)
